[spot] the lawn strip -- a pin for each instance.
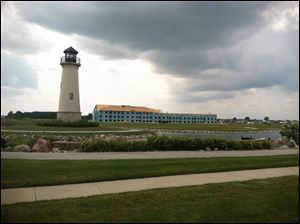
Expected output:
(29, 173)
(273, 200)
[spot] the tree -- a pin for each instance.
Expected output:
(10, 114)
(18, 115)
(266, 118)
(234, 119)
(247, 119)
(87, 117)
(291, 131)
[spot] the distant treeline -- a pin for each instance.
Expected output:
(40, 115)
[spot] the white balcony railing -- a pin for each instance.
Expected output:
(76, 60)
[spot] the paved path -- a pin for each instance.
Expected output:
(30, 194)
(144, 155)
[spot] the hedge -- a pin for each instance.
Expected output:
(54, 123)
(164, 143)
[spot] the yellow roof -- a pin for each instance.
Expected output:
(125, 108)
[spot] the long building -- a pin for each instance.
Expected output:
(126, 113)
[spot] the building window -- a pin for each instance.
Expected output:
(71, 96)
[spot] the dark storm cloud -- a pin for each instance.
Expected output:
(151, 25)
(215, 46)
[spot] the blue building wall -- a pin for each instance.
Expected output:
(150, 117)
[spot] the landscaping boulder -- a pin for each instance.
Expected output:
(281, 140)
(21, 148)
(8, 149)
(207, 149)
(41, 145)
(284, 147)
(291, 143)
(55, 149)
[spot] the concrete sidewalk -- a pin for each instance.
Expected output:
(144, 155)
(30, 194)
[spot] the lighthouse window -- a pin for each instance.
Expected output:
(71, 96)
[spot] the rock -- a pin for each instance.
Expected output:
(284, 147)
(41, 145)
(216, 149)
(55, 150)
(60, 138)
(281, 140)
(207, 149)
(8, 149)
(21, 148)
(291, 143)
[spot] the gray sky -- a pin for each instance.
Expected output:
(234, 59)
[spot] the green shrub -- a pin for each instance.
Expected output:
(95, 146)
(55, 123)
(221, 144)
(233, 145)
(291, 131)
(247, 145)
(161, 143)
(266, 145)
(257, 145)
(164, 143)
(208, 142)
(18, 140)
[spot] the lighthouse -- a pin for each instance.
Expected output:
(69, 106)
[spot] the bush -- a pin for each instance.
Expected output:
(18, 140)
(221, 144)
(291, 131)
(258, 145)
(234, 145)
(266, 145)
(247, 145)
(3, 143)
(55, 123)
(164, 143)
(161, 143)
(113, 146)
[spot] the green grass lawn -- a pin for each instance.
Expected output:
(25, 173)
(273, 200)
(30, 124)
(208, 127)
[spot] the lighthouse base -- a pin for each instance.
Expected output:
(68, 116)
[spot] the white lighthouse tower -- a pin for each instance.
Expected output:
(69, 107)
